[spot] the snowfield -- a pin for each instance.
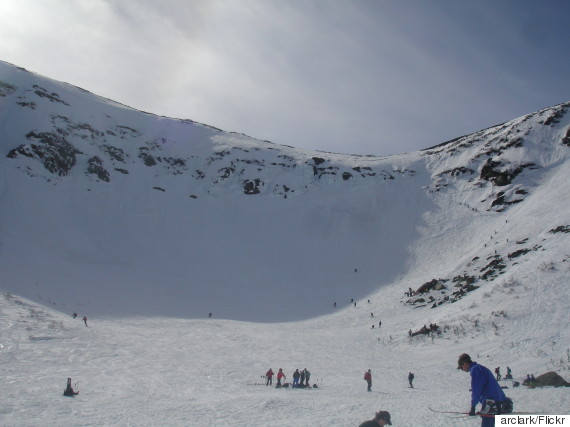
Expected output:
(146, 225)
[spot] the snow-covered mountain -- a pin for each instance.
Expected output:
(113, 212)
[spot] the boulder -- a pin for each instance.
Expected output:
(550, 379)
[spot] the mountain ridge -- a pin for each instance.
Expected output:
(109, 171)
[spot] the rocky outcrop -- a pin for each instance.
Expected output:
(52, 150)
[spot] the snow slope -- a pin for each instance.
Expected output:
(146, 224)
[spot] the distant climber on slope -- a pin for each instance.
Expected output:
(368, 379)
(411, 379)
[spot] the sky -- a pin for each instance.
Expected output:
(355, 77)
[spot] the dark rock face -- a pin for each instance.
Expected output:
(95, 167)
(566, 138)
(55, 153)
(252, 186)
(491, 171)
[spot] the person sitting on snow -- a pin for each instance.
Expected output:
(69, 390)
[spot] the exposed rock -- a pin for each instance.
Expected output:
(252, 187)
(51, 149)
(550, 379)
(95, 167)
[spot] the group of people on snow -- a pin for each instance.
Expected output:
(300, 378)
(485, 390)
(74, 315)
(509, 375)
(529, 379)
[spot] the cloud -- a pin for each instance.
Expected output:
(364, 77)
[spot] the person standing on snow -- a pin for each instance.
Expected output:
(411, 379)
(368, 378)
(85, 320)
(280, 375)
(485, 390)
(381, 418)
(269, 376)
(307, 377)
(498, 372)
(296, 376)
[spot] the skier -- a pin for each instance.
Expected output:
(84, 320)
(280, 375)
(509, 375)
(368, 378)
(74, 315)
(69, 390)
(381, 418)
(269, 376)
(302, 382)
(485, 390)
(411, 379)
(296, 376)
(498, 373)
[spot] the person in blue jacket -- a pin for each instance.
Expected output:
(484, 390)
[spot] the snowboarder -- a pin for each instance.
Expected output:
(85, 320)
(498, 373)
(69, 390)
(269, 376)
(381, 418)
(485, 390)
(509, 375)
(411, 379)
(368, 379)
(280, 375)
(209, 315)
(74, 315)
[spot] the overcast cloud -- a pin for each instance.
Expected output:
(361, 76)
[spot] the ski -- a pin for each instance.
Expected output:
(460, 414)
(480, 414)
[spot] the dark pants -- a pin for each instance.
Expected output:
(269, 381)
(369, 385)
